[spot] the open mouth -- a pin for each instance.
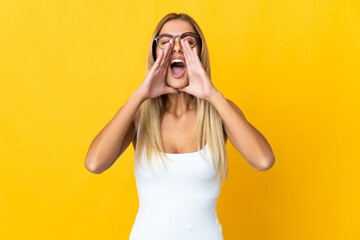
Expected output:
(177, 67)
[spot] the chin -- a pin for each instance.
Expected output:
(177, 83)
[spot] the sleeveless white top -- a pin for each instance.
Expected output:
(177, 202)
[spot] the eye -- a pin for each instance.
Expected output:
(190, 39)
(163, 40)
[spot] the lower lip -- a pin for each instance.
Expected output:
(178, 76)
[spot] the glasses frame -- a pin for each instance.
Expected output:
(178, 36)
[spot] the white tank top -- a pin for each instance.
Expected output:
(177, 202)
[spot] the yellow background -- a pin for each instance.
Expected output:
(293, 67)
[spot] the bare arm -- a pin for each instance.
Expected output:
(114, 138)
(247, 140)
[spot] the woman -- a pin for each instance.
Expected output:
(178, 123)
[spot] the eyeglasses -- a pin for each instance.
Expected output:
(164, 39)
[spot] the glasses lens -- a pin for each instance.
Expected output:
(191, 39)
(163, 40)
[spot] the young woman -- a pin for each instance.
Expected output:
(178, 123)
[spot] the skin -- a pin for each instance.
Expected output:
(179, 120)
(180, 102)
(178, 123)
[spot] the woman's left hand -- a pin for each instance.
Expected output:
(200, 84)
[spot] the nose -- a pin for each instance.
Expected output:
(177, 45)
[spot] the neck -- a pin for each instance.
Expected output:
(179, 103)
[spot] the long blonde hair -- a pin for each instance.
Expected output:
(209, 126)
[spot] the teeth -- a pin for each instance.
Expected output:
(177, 60)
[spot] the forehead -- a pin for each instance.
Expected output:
(176, 27)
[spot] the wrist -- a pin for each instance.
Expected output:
(137, 94)
(213, 95)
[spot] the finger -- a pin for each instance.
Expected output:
(184, 47)
(158, 60)
(165, 60)
(164, 56)
(169, 53)
(186, 54)
(163, 52)
(190, 51)
(196, 56)
(190, 54)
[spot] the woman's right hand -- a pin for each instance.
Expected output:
(154, 83)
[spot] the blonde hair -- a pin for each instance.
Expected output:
(209, 126)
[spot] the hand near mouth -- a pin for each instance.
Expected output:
(154, 83)
(200, 84)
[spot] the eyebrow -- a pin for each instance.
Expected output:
(176, 34)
